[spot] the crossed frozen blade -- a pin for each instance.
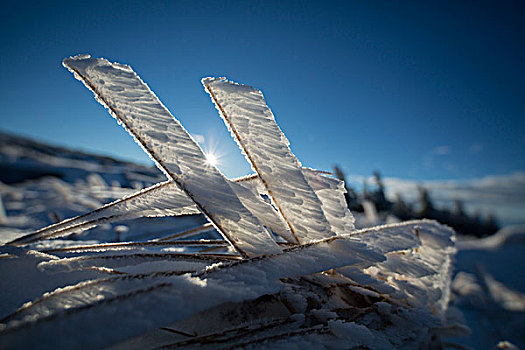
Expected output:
(307, 206)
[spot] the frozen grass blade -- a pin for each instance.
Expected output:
(253, 126)
(162, 199)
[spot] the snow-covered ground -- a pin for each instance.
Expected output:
(489, 288)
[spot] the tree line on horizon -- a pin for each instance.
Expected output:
(424, 208)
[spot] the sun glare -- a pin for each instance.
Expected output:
(211, 159)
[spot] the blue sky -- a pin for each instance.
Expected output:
(419, 91)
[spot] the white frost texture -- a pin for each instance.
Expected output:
(271, 260)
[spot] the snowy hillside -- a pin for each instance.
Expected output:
(43, 184)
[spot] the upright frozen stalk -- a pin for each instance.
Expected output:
(253, 126)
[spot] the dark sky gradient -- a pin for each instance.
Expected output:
(419, 91)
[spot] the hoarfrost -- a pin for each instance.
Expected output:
(326, 284)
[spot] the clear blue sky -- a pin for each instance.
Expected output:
(418, 91)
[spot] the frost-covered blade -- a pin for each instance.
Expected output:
(262, 210)
(136, 246)
(422, 273)
(162, 199)
(253, 126)
(135, 106)
(418, 266)
(126, 261)
(331, 193)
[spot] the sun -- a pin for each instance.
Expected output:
(211, 159)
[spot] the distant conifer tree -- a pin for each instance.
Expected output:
(379, 197)
(365, 189)
(491, 224)
(426, 209)
(458, 207)
(401, 209)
